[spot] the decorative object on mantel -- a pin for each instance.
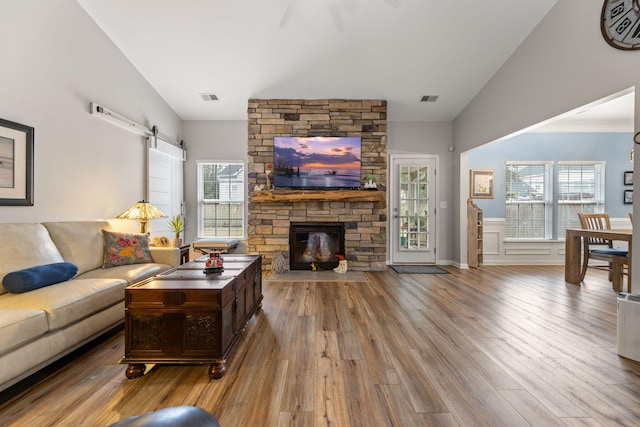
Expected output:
(279, 263)
(342, 265)
(142, 211)
(370, 182)
(268, 170)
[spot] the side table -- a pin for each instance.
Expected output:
(184, 254)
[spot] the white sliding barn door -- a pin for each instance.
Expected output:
(165, 181)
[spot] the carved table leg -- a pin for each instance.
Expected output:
(135, 371)
(217, 369)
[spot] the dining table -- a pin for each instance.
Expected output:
(573, 253)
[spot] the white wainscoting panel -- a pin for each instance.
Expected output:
(500, 251)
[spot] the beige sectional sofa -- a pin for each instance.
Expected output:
(42, 325)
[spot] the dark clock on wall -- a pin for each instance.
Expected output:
(620, 23)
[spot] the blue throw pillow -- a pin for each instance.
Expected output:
(40, 276)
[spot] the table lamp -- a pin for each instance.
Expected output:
(142, 211)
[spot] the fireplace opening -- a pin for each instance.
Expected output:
(315, 243)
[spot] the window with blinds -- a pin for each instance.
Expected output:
(221, 199)
(529, 200)
(580, 190)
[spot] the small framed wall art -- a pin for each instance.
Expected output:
(628, 197)
(16, 164)
(628, 178)
(481, 184)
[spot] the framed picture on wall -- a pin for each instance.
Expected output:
(481, 184)
(16, 164)
(628, 197)
(628, 178)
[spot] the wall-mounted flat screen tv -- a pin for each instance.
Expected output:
(317, 162)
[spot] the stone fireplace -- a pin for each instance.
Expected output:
(362, 213)
(315, 245)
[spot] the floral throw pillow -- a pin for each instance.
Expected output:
(125, 249)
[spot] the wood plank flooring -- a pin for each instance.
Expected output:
(499, 346)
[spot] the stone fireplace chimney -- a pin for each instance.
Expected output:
(364, 218)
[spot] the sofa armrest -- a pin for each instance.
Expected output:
(169, 256)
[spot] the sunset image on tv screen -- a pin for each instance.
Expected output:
(317, 162)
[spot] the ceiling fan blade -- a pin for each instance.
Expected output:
(335, 15)
(394, 3)
(288, 13)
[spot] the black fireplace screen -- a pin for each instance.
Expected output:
(315, 244)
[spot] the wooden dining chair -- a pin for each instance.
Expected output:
(602, 249)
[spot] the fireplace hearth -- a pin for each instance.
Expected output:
(315, 244)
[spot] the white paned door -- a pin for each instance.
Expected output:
(413, 199)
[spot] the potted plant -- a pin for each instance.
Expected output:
(177, 226)
(370, 182)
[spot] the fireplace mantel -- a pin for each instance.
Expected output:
(318, 195)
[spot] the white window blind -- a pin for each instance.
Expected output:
(221, 199)
(580, 190)
(529, 200)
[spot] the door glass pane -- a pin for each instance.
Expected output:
(414, 207)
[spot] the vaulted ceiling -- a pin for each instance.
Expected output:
(398, 50)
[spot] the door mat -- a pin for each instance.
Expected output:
(418, 269)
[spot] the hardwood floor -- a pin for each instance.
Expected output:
(499, 346)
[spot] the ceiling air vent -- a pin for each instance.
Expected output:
(209, 97)
(429, 98)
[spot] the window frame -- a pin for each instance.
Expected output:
(598, 201)
(239, 201)
(546, 202)
(554, 227)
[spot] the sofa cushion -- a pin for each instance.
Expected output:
(20, 326)
(131, 273)
(30, 245)
(39, 276)
(125, 248)
(67, 302)
(79, 242)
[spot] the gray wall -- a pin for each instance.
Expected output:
(227, 140)
(218, 141)
(55, 62)
(432, 138)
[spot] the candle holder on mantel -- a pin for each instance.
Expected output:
(267, 171)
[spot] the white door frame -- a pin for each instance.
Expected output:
(392, 197)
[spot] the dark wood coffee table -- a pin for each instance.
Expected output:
(185, 316)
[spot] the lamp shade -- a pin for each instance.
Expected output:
(142, 211)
